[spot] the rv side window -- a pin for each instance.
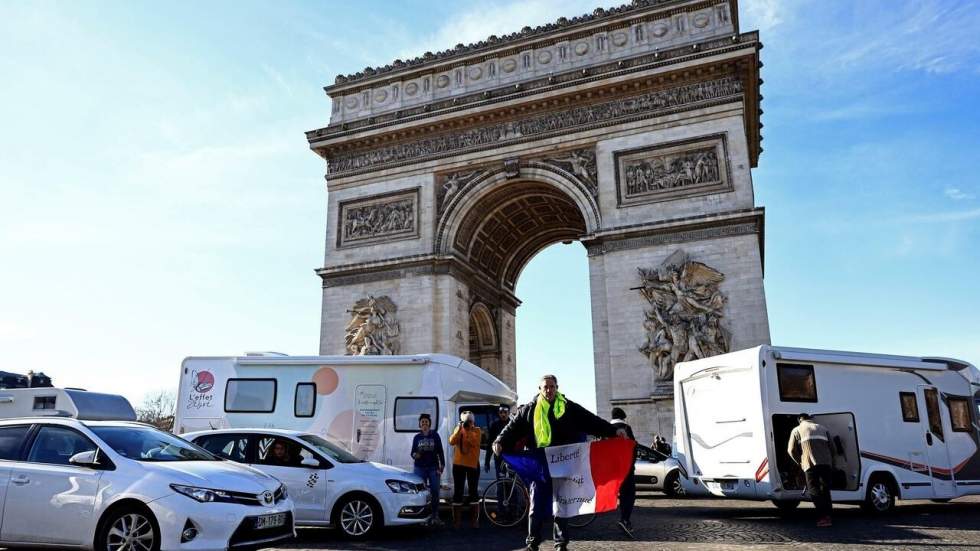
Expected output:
(11, 440)
(44, 402)
(797, 383)
(304, 404)
(250, 396)
(959, 414)
(407, 412)
(910, 408)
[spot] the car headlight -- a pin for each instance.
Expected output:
(282, 493)
(402, 487)
(204, 495)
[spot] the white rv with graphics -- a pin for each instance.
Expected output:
(368, 404)
(902, 427)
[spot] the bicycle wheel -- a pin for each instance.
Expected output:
(506, 502)
(581, 521)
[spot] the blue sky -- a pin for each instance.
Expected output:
(158, 199)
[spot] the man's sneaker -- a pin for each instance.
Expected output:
(626, 526)
(824, 522)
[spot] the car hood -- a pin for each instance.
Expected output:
(217, 475)
(380, 471)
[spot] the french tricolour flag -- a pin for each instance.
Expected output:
(585, 477)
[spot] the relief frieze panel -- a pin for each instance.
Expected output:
(385, 217)
(534, 127)
(581, 164)
(672, 170)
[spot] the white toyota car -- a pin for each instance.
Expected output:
(126, 486)
(330, 486)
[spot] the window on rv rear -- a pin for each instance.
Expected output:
(11, 440)
(304, 402)
(407, 411)
(44, 402)
(250, 396)
(797, 383)
(959, 414)
(910, 408)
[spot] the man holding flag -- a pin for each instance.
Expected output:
(565, 468)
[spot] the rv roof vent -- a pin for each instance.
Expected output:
(266, 354)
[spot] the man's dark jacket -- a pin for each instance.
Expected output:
(569, 429)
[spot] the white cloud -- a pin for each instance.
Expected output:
(957, 194)
(763, 15)
(483, 19)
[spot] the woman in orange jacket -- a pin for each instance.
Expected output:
(466, 467)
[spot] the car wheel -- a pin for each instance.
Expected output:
(880, 497)
(128, 529)
(357, 517)
(672, 485)
(786, 505)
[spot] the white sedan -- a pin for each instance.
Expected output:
(124, 486)
(330, 486)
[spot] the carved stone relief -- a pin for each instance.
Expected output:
(373, 329)
(383, 217)
(671, 170)
(644, 105)
(684, 319)
(450, 185)
(581, 164)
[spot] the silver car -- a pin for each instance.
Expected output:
(657, 471)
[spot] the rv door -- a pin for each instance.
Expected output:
(937, 450)
(367, 438)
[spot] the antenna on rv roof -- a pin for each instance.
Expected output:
(266, 354)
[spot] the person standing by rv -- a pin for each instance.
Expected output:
(466, 467)
(429, 461)
(627, 492)
(550, 419)
(809, 446)
(503, 417)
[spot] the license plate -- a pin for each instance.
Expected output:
(270, 521)
(725, 485)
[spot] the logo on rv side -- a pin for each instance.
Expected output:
(203, 381)
(201, 384)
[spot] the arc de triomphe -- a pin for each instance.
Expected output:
(632, 130)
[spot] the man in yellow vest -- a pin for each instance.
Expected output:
(550, 419)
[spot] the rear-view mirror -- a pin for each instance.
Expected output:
(310, 462)
(88, 459)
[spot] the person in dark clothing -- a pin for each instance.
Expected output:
(627, 492)
(809, 446)
(550, 420)
(429, 461)
(503, 417)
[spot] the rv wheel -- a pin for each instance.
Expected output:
(357, 516)
(786, 505)
(880, 497)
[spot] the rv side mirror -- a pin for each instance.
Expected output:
(88, 459)
(311, 462)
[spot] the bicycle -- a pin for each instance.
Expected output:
(506, 502)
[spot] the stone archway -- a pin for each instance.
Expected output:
(632, 130)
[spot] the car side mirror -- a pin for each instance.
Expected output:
(311, 462)
(88, 459)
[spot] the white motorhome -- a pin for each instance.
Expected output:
(369, 404)
(64, 402)
(902, 427)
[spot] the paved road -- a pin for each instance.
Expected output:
(679, 524)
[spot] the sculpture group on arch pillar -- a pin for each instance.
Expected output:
(684, 321)
(373, 329)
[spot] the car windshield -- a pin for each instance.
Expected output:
(150, 444)
(329, 449)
